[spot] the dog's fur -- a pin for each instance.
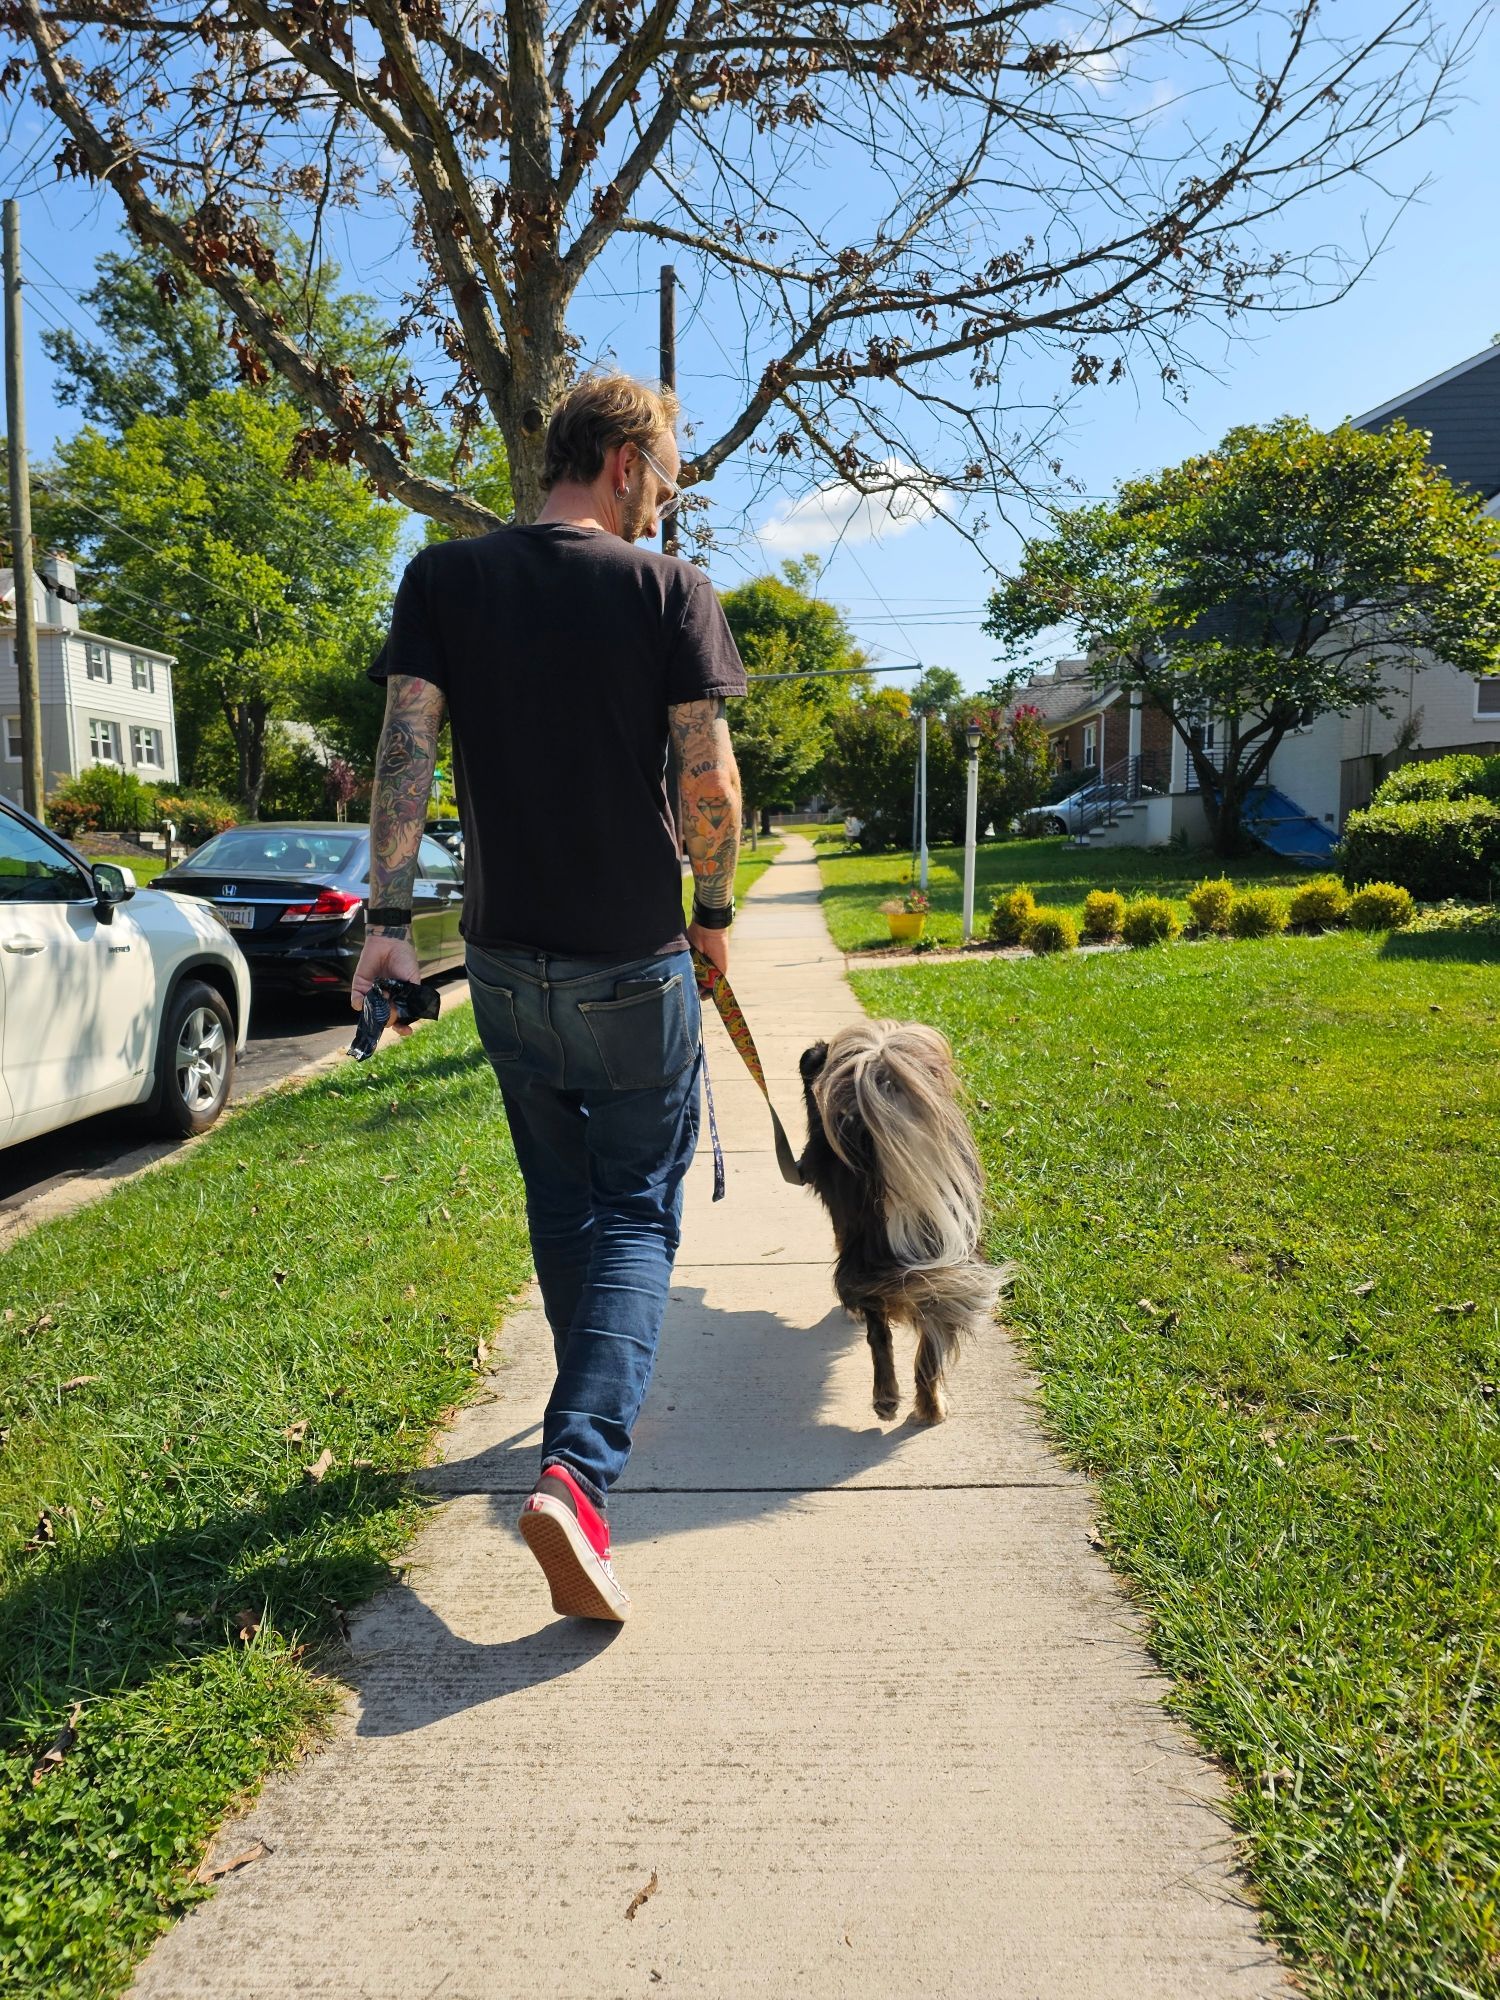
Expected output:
(890, 1155)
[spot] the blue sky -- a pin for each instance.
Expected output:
(916, 592)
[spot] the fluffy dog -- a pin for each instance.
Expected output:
(890, 1156)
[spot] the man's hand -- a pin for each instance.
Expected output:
(714, 945)
(384, 957)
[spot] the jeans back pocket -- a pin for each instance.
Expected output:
(643, 1038)
(495, 1018)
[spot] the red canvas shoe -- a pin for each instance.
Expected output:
(570, 1539)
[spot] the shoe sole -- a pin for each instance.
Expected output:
(559, 1546)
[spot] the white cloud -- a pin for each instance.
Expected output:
(836, 512)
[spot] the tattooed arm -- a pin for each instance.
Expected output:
(710, 781)
(398, 813)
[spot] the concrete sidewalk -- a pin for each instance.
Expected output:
(882, 1724)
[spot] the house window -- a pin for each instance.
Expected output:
(12, 739)
(1090, 744)
(145, 746)
(104, 741)
(1306, 717)
(97, 657)
(142, 674)
(1486, 695)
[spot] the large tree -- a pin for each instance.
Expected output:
(893, 199)
(191, 540)
(1290, 573)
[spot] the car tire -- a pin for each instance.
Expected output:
(194, 1061)
(1057, 825)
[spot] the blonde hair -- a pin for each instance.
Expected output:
(598, 413)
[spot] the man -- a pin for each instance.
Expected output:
(566, 659)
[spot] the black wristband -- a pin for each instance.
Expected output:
(710, 918)
(387, 917)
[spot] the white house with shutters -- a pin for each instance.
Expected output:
(103, 701)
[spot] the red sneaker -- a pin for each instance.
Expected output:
(570, 1539)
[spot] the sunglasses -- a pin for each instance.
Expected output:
(669, 506)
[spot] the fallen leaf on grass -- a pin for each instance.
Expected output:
(66, 1737)
(41, 1324)
(45, 1533)
(75, 1382)
(388, 1177)
(641, 1896)
(278, 1277)
(321, 1466)
(1459, 1311)
(1363, 1289)
(246, 1624)
(1148, 1306)
(187, 1621)
(256, 1853)
(295, 1433)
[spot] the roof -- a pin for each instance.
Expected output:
(1063, 697)
(1461, 410)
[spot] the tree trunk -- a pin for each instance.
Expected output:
(765, 819)
(247, 723)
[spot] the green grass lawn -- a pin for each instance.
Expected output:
(143, 866)
(1254, 1190)
(855, 885)
(314, 1277)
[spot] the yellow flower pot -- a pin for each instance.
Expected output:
(906, 923)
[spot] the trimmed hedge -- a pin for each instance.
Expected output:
(1049, 931)
(1257, 913)
(1103, 914)
(1462, 776)
(1322, 901)
(1435, 848)
(1210, 904)
(1010, 915)
(1380, 906)
(1149, 920)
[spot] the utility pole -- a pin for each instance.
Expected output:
(669, 375)
(28, 685)
(922, 805)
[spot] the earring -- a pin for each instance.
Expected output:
(621, 491)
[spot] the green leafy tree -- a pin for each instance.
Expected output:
(780, 730)
(1290, 573)
(192, 539)
(871, 770)
(939, 691)
(781, 626)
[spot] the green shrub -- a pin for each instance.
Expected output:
(100, 797)
(1050, 930)
(1010, 915)
(1461, 776)
(1149, 920)
(1103, 914)
(1322, 901)
(1435, 848)
(1380, 906)
(1210, 902)
(197, 817)
(1257, 913)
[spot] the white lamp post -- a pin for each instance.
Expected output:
(972, 736)
(922, 802)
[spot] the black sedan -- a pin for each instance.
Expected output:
(294, 895)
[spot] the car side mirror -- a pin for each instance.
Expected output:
(112, 885)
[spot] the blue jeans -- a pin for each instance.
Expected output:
(599, 1072)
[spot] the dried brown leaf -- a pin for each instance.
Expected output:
(321, 1466)
(66, 1737)
(75, 1382)
(246, 1624)
(295, 1433)
(641, 1896)
(256, 1853)
(1460, 1311)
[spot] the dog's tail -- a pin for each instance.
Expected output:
(895, 1079)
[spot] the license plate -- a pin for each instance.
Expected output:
(238, 916)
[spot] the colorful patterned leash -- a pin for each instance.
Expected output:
(714, 984)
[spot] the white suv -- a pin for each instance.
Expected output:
(109, 996)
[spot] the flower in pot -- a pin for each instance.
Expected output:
(906, 914)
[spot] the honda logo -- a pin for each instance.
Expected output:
(229, 888)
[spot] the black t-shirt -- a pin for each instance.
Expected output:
(560, 650)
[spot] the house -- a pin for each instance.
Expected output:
(1328, 768)
(103, 701)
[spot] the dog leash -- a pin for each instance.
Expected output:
(713, 984)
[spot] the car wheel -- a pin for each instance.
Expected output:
(194, 1060)
(1057, 825)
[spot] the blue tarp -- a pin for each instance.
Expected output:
(1280, 823)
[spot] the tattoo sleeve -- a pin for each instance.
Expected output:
(403, 785)
(710, 781)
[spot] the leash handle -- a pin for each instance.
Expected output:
(714, 984)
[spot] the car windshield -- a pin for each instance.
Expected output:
(274, 850)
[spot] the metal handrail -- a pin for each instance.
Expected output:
(1124, 783)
